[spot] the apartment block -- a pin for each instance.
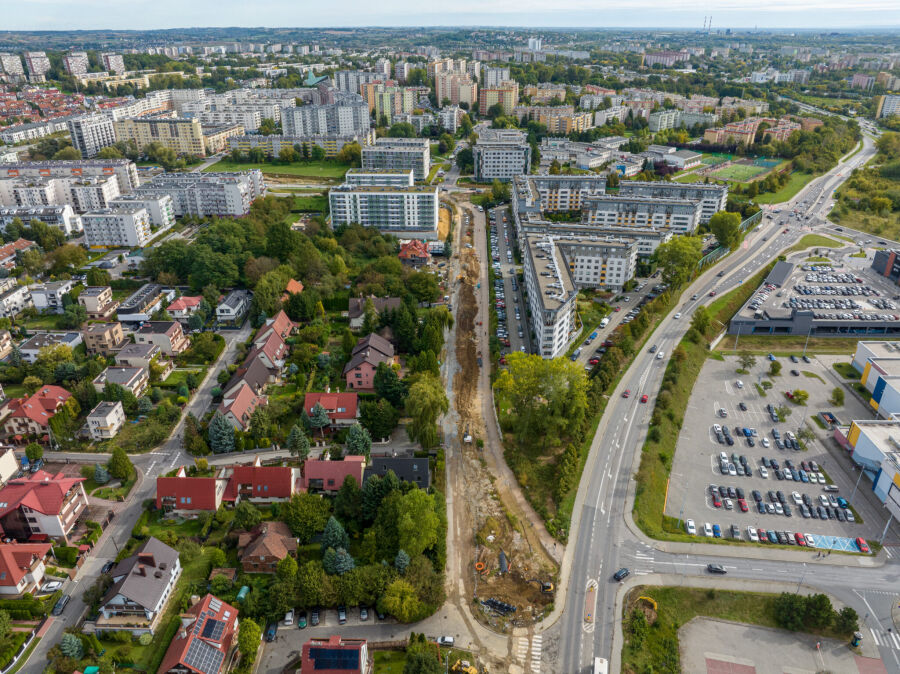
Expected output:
(456, 87)
(182, 135)
(551, 294)
(103, 339)
(351, 80)
(62, 217)
(38, 65)
(14, 299)
(501, 154)
(106, 420)
(124, 170)
(272, 145)
(494, 77)
(98, 302)
(91, 193)
(249, 120)
(399, 153)
(11, 64)
(111, 227)
(681, 215)
(386, 177)
(339, 119)
(887, 106)
(113, 63)
(160, 207)
(386, 100)
(144, 302)
(564, 123)
(598, 262)
(91, 133)
(48, 297)
(675, 119)
(504, 93)
(216, 138)
(404, 211)
(207, 194)
(76, 63)
(712, 198)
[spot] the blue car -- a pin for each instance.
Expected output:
(803, 476)
(270, 631)
(747, 433)
(842, 502)
(717, 531)
(771, 357)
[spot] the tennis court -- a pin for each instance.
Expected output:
(738, 172)
(767, 163)
(715, 159)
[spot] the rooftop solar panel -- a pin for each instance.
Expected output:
(213, 629)
(203, 658)
(334, 658)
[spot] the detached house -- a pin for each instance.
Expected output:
(167, 335)
(206, 641)
(369, 352)
(414, 253)
(342, 408)
(238, 406)
(41, 506)
(234, 307)
(184, 307)
(133, 379)
(142, 585)
(260, 550)
(103, 339)
(329, 476)
(271, 349)
(293, 288)
(22, 567)
(280, 324)
(357, 308)
(31, 416)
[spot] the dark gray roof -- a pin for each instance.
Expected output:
(780, 273)
(136, 578)
(413, 470)
(357, 305)
(254, 372)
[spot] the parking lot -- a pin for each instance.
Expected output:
(721, 398)
(512, 327)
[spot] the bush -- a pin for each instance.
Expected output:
(66, 556)
(11, 646)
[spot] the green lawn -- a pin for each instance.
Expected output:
(309, 169)
(846, 370)
(45, 322)
(14, 391)
(689, 178)
(813, 241)
(739, 172)
(178, 377)
(389, 662)
(795, 183)
(785, 345)
(887, 225)
(313, 203)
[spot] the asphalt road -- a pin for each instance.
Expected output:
(601, 542)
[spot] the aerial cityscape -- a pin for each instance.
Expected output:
(417, 340)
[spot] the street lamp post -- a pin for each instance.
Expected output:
(884, 532)
(861, 471)
(808, 333)
(802, 576)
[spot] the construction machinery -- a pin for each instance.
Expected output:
(464, 666)
(546, 586)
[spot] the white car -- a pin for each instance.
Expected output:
(823, 500)
(723, 456)
(765, 442)
(678, 315)
(51, 586)
(810, 541)
(739, 384)
(779, 509)
(797, 498)
(751, 532)
(764, 472)
(691, 527)
(820, 478)
(707, 530)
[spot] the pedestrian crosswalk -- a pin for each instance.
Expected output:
(886, 639)
(522, 649)
(536, 645)
(529, 652)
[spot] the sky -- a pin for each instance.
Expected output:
(153, 14)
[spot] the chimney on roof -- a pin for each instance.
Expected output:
(187, 619)
(139, 570)
(147, 558)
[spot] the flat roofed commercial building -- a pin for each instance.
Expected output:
(712, 198)
(501, 154)
(407, 211)
(678, 214)
(399, 153)
(551, 295)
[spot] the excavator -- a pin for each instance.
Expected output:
(464, 666)
(546, 587)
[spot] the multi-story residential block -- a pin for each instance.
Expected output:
(124, 170)
(456, 87)
(339, 119)
(144, 302)
(88, 194)
(494, 77)
(681, 215)
(272, 145)
(182, 135)
(401, 71)
(103, 339)
(387, 101)
(38, 65)
(133, 379)
(160, 207)
(22, 567)
(98, 302)
(91, 133)
(82, 194)
(248, 119)
(712, 198)
(551, 295)
(887, 106)
(76, 63)
(410, 211)
(112, 227)
(14, 299)
(167, 335)
(351, 80)
(105, 420)
(11, 64)
(363, 177)
(674, 119)
(565, 123)
(48, 297)
(501, 154)
(598, 262)
(399, 153)
(504, 93)
(217, 137)
(41, 505)
(554, 193)
(31, 347)
(61, 217)
(545, 92)
(113, 63)
(207, 194)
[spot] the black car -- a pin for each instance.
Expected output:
(841, 517)
(782, 537)
(107, 567)
(739, 492)
(787, 510)
(823, 515)
(621, 574)
(781, 498)
(757, 496)
(732, 493)
(60, 605)
(742, 406)
(794, 359)
(779, 475)
(751, 442)
(772, 496)
(796, 373)
(314, 617)
(788, 463)
(807, 501)
(716, 568)
(729, 440)
(806, 359)
(723, 491)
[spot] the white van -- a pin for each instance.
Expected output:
(659, 355)
(289, 618)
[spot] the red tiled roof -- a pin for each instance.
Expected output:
(414, 249)
(201, 491)
(183, 303)
(242, 404)
(211, 651)
(39, 491)
(281, 324)
(293, 288)
(40, 407)
(331, 402)
(337, 471)
(264, 481)
(16, 560)
(10, 249)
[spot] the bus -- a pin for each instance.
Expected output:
(601, 666)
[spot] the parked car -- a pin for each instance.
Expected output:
(342, 615)
(271, 630)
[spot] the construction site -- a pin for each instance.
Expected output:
(508, 575)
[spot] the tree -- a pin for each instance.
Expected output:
(422, 663)
(837, 396)
(334, 535)
(145, 405)
(359, 442)
(97, 277)
(249, 638)
(246, 516)
(847, 620)
(5, 625)
(319, 418)
(726, 227)
(120, 465)
(747, 360)
(679, 258)
(338, 562)
(310, 583)
(67, 152)
(348, 502)
(101, 475)
(306, 515)
(32, 384)
(298, 443)
(818, 613)
(379, 418)
(427, 401)
(221, 435)
(109, 152)
(401, 561)
(789, 611)
(71, 646)
(34, 452)
(287, 570)
(401, 601)
(418, 523)
(701, 320)
(774, 368)
(800, 396)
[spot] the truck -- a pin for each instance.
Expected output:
(604, 322)
(600, 666)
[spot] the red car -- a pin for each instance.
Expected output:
(763, 537)
(743, 504)
(801, 541)
(618, 309)
(862, 545)
(644, 398)
(626, 393)
(712, 293)
(502, 360)
(594, 361)
(717, 502)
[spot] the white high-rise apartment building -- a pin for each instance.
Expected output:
(401, 71)
(323, 120)
(76, 63)
(535, 43)
(11, 64)
(405, 211)
(37, 64)
(502, 154)
(124, 170)
(111, 227)
(494, 77)
(91, 133)
(205, 194)
(113, 63)
(383, 68)
(399, 153)
(551, 295)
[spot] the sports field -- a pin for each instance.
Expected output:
(713, 159)
(738, 172)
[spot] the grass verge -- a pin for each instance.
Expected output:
(309, 169)
(25, 656)
(795, 183)
(785, 345)
(813, 241)
(846, 370)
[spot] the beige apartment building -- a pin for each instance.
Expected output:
(103, 339)
(184, 136)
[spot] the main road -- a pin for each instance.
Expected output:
(603, 538)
